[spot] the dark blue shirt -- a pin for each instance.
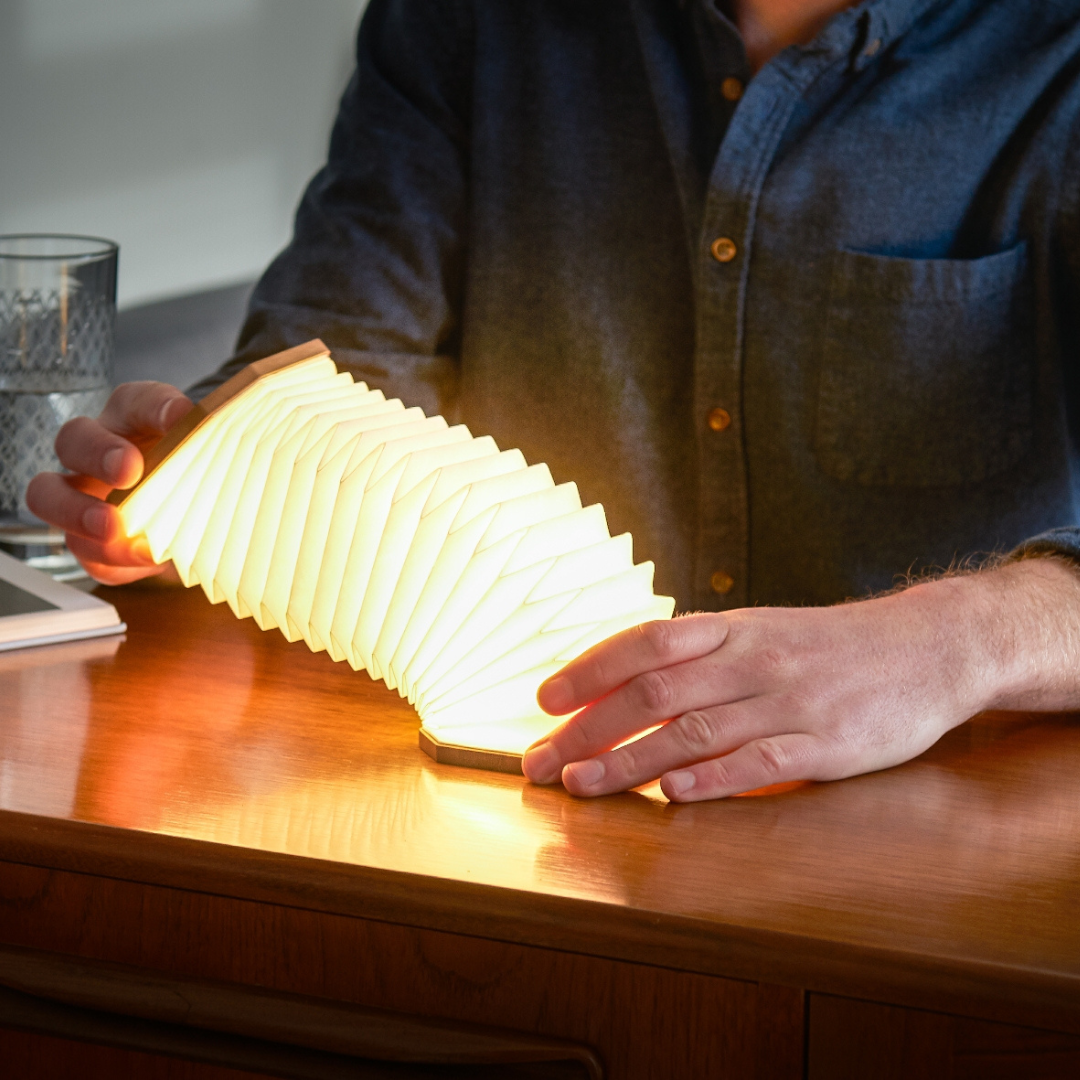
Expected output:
(873, 372)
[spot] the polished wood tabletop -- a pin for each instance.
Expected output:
(199, 751)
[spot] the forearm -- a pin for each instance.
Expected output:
(763, 696)
(1019, 625)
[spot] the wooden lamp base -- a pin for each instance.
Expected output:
(468, 756)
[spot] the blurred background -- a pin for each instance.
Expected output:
(185, 130)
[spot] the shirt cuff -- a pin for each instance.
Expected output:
(1064, 541)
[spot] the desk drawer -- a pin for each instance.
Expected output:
(642, 1021)
(852, 1040)
(261, 1032)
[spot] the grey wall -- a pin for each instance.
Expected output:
(184, 129)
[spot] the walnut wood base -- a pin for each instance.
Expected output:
(471, 758)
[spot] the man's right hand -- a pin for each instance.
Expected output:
(104, 454)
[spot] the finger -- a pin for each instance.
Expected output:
(87, 447)
(643, 648)
(650, 698)
(142, 408)
(686, 740)
(119, 575)
(761, 763)
(120, 552)
(60, 502)
(84, 483)
(136, 413)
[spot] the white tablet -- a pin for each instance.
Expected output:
(35, 610)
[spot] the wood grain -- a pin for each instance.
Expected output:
(851, 1040)
(31, 976)
(468, 756)
(643, 1021)
(209, 756)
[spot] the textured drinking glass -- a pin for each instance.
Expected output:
(57, 318)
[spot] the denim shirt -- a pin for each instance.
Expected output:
(873, 372)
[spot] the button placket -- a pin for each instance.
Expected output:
(722, 563)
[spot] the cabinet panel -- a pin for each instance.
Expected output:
(643, 1021)
(851, 1040)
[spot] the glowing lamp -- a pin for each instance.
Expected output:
(457, 573)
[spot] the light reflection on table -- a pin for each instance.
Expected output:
(202, 726)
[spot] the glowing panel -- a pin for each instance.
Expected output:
(457, 573)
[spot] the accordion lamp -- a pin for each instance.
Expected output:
(454, 571)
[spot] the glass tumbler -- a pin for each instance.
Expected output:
(57, 320)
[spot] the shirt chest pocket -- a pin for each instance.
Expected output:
(926, 369)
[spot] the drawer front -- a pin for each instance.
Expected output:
(852, 1040)
(641, 1021)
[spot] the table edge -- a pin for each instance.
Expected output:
(988, 990)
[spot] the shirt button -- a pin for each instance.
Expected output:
(718, 419)
(731, 88)
(721, 583)
(723, 249)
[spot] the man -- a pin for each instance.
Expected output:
(803, 318)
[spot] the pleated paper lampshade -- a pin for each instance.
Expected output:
(457, 573)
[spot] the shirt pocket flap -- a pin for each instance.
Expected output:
(926, 369)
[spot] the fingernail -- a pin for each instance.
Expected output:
(113, 463)
(678, 783)
(96, 521)
(556, 695)
(541, 764)
(587, 773)
(163, 416)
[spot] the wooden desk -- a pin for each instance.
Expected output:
(211, 803)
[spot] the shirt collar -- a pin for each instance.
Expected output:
(865, 30)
